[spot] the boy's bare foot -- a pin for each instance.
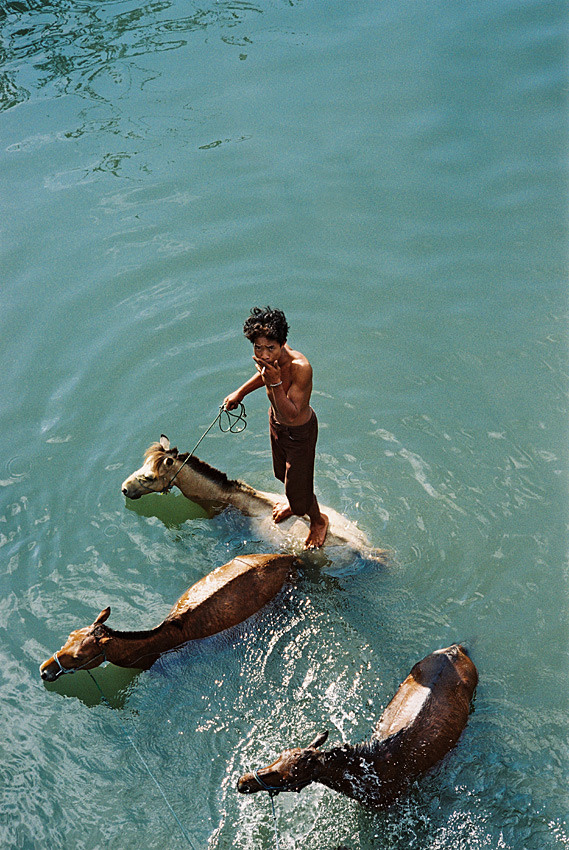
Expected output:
(317, 533)
(281, 511)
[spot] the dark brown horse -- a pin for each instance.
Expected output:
(423, 721)
(226, 596)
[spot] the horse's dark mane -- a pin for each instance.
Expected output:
(215, 475)
(106, 631)
(139, 635)
(200, 466)
(365, 749)
(368, 749)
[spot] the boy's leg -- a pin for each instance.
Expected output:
(278, 442)
(300, 450)
(318, 527)
(299, 446)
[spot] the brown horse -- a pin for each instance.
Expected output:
(226, 596)
(164, 466)
(423, 721)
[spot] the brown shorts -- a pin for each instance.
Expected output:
(294, 448)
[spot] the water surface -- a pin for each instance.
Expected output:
(393, 176)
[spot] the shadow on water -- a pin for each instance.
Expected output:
(109, 684)
(168, 508)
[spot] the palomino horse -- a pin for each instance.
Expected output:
(164, 466)
(420, 725)
(226, 596)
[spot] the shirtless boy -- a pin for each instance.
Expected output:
(287, 376)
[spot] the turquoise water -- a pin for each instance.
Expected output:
(393, 176)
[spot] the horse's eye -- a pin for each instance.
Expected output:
(169, 461)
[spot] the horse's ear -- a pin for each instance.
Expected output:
(165, 442)
(318, 741)
(104, 615)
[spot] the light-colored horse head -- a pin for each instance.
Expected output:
(83, 650)
(161, 464)
(293, 770)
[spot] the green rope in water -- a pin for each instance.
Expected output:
(145, 764)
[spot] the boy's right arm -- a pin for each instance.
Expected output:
(233, 399)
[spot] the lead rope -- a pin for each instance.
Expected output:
(233, 421)
(272, 794)
(145, 764)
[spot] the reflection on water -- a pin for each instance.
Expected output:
(106, 684)
(87, 49)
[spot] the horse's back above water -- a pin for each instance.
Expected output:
(220, 600)
(232, 593)
(431, 705)
(444, 679)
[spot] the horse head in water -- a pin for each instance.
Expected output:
(293, 770)
(421, 724)
(83, 650)
(165, 467)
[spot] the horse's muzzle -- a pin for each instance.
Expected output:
(247, 785)
(49, 675)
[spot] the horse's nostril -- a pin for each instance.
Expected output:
(124, 491)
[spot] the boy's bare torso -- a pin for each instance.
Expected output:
(290, 400)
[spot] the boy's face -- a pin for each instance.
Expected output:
(266, 349)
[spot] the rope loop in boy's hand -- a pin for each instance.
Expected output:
(236, 421)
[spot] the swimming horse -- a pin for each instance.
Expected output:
(421, 724)
(164, 466)
(223, 598)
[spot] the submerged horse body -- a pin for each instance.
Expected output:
(421, 724)
(222, 599)
(164, 466)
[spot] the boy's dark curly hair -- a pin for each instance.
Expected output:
(266, 322)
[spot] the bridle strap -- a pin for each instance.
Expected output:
(273, 790)
(272, 794)
(64, 670)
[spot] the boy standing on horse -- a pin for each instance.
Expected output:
(287, 376)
